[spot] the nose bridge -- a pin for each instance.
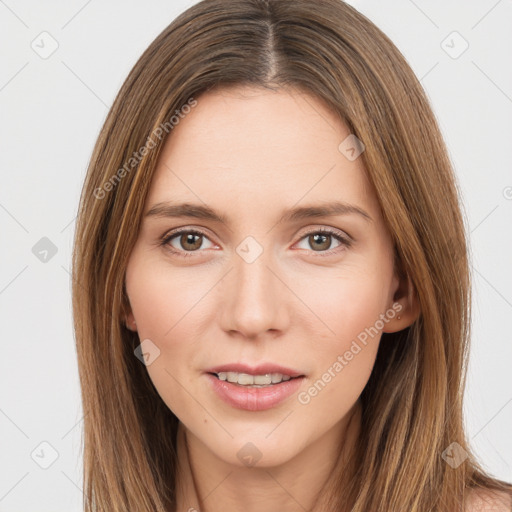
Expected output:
(255, 304)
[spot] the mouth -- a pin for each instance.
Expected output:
(254, 381)
(255, 388)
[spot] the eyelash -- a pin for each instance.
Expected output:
(345, 242)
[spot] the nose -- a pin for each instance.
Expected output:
(254, 299)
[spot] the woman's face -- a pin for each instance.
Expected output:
(249, 285)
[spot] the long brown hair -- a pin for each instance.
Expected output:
(412, 404)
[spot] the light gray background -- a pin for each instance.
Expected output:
(51, 113)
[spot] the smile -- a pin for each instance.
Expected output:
(246, 379)
(256, 391)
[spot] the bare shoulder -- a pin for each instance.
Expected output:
(488, 501)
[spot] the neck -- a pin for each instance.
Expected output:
(206, 483)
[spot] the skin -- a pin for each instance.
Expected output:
(250, 154)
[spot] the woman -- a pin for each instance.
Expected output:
(271, 286)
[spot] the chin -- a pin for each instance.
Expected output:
(258, 450)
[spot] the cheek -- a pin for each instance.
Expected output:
(345, 306)
(162, 300)
(164, 304)
(350, 306)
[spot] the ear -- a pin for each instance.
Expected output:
(405, 304)
(127, 315)
(130, 322)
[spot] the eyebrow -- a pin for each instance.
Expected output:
(198, 211)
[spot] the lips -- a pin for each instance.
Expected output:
(261, 369)
(248, 396)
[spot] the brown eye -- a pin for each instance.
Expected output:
(191, 241)
(185, 242)
(319, 241)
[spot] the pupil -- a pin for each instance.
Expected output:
(189, 239)
(322, 238)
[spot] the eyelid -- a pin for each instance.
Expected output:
(326, 229)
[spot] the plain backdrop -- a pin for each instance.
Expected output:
(52, 108)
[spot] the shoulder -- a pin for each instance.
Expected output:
(488, 501)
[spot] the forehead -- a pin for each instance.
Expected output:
(259, 147)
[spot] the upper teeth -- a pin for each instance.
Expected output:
(246, 379)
